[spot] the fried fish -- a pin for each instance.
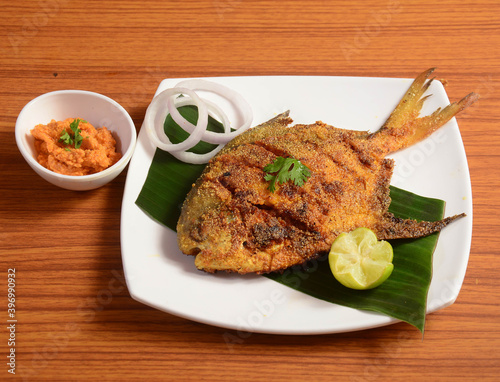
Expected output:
(231, 221)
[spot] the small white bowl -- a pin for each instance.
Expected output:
(95, 108)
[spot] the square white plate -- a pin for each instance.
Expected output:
(159, 275)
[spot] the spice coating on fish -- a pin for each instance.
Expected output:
(231, 221)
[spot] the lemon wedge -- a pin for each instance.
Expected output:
(359, 261)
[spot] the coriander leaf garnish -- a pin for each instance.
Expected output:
(65, 138)
(76, 131)
(285, 169)
(76, 139)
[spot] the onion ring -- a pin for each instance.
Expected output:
(154, 109)
(232, 96)
(199, 131)
(208, 136)
(214, 111)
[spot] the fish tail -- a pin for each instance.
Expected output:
(404, 128)
(425, 126)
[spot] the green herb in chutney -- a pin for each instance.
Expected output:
(285, 169)
(74, 139)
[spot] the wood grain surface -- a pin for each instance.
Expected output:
(75, 318)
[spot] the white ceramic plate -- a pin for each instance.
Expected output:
(159, 275)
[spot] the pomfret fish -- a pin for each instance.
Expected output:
(231, 221)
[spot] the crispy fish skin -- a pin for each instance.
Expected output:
(230, 220)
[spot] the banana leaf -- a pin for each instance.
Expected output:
(403, 296)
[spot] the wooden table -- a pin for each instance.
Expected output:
(68, 329)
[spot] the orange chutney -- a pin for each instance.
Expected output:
(97, 151)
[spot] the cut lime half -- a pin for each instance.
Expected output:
(359, 261)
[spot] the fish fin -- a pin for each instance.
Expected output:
(404, 128)
(392, 227)
(277, 125)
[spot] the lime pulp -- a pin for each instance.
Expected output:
(359, 261)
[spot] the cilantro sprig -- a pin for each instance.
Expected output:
(285, 169)
(74, 139)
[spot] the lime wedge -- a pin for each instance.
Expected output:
(359, 261)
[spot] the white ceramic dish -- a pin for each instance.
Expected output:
(159, 275)
(96, 108)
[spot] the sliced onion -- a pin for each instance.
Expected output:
(215, 112)
(208, 136)
(199, 131)
(232, 96)
(155, 108)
